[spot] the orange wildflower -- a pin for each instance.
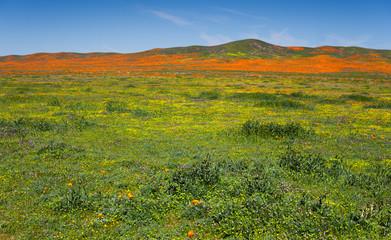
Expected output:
(69, 184)
(130, 195)
(195, 202)
(103, 171)
(100, 215)
(190, 234)
(120, 196)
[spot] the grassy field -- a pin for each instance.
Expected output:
(227, 156)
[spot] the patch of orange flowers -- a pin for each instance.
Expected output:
(295, 48)
(150, 62)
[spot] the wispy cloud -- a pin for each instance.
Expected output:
(283, 38)
(107, 47)
(334, 39)
(250, 35)
(243, 14)
(174, 19)
(216, 18)
(215, 39)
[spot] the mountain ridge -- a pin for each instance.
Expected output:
(254, 47)
(242, 55)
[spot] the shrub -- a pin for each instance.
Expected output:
(55, 102)
(380, 105)
(308, 163)
(195, 178)
(282, 103)
(58, 150)
(267, 130)
(76, 197)
(76, 122)
(140, 112)
(115, 106)
(209, 95)
(358, 98)
(257, 96)
(259, 181)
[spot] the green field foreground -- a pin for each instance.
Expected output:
(271, 156)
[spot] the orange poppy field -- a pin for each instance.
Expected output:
(245, 140)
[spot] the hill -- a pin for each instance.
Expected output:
(253, 48)
(243, 55)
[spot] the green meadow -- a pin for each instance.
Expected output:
(228, 156)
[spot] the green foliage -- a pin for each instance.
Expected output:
(272, 130)
(75, 198)
(273, 100)
(140, 113)
(298, 162)
(195, 178)
(56, 150)
(380, 105)
(358, 98)
(285, 104)
(259, 96)
(115, 106)
(209, 95)
(161, 160)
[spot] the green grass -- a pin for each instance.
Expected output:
(233, 157)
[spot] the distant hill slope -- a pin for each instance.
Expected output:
(243, 55)
(253, 48)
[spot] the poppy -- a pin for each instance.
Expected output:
(190, 234)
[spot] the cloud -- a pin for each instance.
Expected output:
(334, 39)
(176, 20)
(240, 13)
(107, 47)
(283, 38)
(216, 18)
(250, 35)
(215, 39)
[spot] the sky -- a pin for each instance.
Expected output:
(32, 26)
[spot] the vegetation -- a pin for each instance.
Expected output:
(222, 156)
(244, 55)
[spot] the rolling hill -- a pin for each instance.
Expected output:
(243, 55)
(253, 48)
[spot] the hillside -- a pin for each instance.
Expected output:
(243, 55)
(253, 48)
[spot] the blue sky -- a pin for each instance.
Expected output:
(31, 26)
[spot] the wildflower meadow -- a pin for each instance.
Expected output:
(195, 155)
